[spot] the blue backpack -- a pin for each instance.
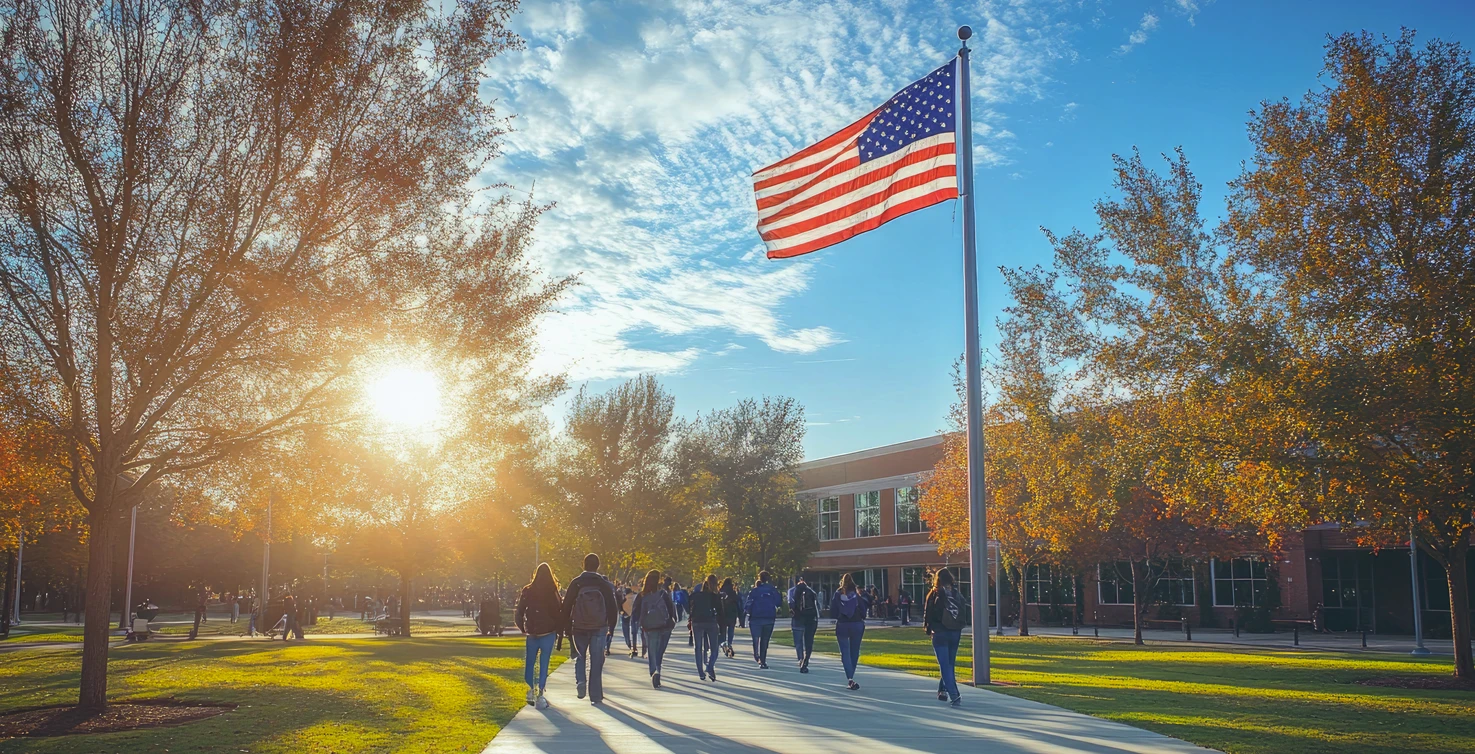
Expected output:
(849, 606)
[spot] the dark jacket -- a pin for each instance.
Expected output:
(934, 607)
(860, 613)
(763, 602)
(638, 609)
(588, 578)
(706, 607)
(732, 606)
(538, 613)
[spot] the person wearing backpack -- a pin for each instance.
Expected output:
(657, 616)
(590, 612)
(849, 607)
(904, 606)
(803, 620)
(539, 618)
(943, 618)
(704, 624)
(680, 596)
(628, 623)
(762, 610)
(732, 607)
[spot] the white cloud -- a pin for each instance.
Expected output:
(1144, 29)
(643, 120)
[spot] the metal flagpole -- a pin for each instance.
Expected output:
(972, 363)
(128, 590)
(1413, 560)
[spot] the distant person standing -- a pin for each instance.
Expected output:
(680, 596)
(803, 620)
(590, 611)
(539, 617)
(942, 618)
(235, 608)
(705, 627)
(904, 606)
(849, 608)
(656, 613)
(762, 610)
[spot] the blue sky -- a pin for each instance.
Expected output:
(643, 120)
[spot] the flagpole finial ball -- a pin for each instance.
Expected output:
(964, 32)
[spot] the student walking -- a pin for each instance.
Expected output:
(590, 612)
(732, 607)
(657, 616)
(539, 617)
(849, 608)
(680, 596)
(942, 618)
(627, 605)
(803, 620)
(705, 626)
(762, 610)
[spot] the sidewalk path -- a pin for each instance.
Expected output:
(781, 710)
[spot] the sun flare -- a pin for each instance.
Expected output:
(406, 397)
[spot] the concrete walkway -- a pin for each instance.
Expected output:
(781, 710)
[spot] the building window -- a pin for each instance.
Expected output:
(1239, 582)
(1044, 585)
(908, 513)
(868, 513)
(829, 519)
(914, 583)
(1114, 583)
(1174, 584)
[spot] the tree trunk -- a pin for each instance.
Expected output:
(7, 600)
(1139, 600)
(94, 688)
(1023, 601)
(404, 603)
(1459, 606)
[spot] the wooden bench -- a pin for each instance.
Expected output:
(1296, 626)
(1181, 624)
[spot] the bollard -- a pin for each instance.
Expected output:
(1236, 625)
(1096, 630)
(1187, 631)
(1364, 638)
(1296, 635)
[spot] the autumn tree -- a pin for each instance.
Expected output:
(206, 209)
(1356, 213)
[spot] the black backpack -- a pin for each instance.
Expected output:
(952, 610)
(806, 602)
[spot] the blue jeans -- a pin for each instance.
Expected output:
(727, 632)
(625, 629)
(945, 646)
(804, 638)
(655, 648)
(706, 635)
(539, 649)
(849, 633)
(589, 650)
(762, 630)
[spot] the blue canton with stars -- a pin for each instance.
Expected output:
(919, 111)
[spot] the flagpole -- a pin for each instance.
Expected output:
(977, 512)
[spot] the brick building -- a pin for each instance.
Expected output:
(865, 508)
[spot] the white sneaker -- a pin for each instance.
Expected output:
(542, 701)
(532, 695)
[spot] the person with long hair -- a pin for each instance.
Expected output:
(849, 607)
(942, 618)
(539, 616)
(732, 607)
(803, 620)
(704, 622)
(657, 616)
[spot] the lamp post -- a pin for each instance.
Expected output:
(20, 560)
(125, 619)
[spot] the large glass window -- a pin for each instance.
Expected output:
(1044, 585)
(908, 513)
(868, 513)
(914, 583)
(1114, 583)
(1239, 582)
(829, 519)
(1174, 585)
(1347, 591)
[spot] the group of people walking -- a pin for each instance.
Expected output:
(588, 611)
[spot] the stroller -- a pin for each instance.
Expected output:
(145, 612)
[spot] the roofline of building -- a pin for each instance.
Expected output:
(860, 455)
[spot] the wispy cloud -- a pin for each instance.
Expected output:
(1144, 29)
(643, 120)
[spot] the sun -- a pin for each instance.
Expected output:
(406, 397)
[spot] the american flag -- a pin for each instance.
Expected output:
(898, 159)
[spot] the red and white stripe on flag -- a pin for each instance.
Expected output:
(899, 158)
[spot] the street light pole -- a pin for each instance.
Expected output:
(266, 563)
(20, 560)
(128, 590)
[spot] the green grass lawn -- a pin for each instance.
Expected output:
(1243, 702)
(24, 633)
(329, 695)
